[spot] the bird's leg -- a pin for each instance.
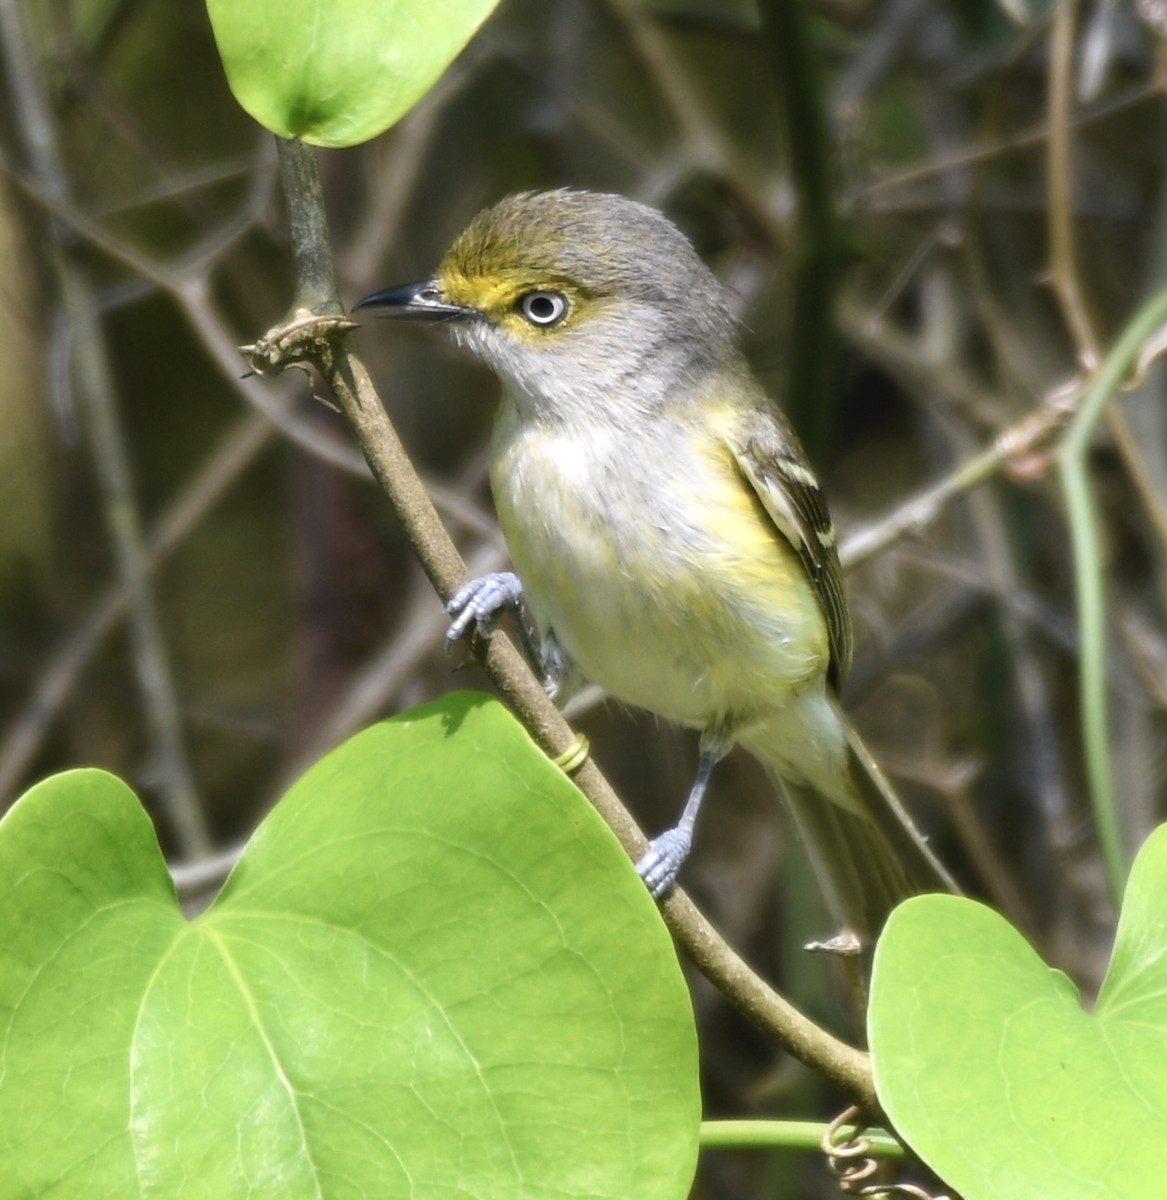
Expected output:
(661, 862)
(479, 604)
(555, 667)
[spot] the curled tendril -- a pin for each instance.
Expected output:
(849, 1158)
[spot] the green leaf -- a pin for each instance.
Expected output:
(988, 1065)
(431, 974)
(338, 72)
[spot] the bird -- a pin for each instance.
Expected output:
(669, 539)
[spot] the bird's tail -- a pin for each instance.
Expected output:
(863, 846)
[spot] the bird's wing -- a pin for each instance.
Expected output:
(769, 457)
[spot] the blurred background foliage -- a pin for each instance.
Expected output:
(997, 169)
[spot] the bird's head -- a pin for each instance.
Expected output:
(576, 298)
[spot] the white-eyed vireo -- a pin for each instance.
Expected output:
(671, 540)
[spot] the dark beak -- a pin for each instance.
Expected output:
(416, 302)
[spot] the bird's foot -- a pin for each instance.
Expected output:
(661, 862)
(479, 604)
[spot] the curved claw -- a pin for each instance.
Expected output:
(661, 862)
(479, 603)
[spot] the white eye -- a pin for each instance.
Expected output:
(543, 308)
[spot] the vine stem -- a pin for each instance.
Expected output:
(1089, 576)
(794, 1135)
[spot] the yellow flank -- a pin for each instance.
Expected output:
(753, 564)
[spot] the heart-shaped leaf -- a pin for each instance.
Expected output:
(337, 72)
(432, 974)
(987, 1064)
